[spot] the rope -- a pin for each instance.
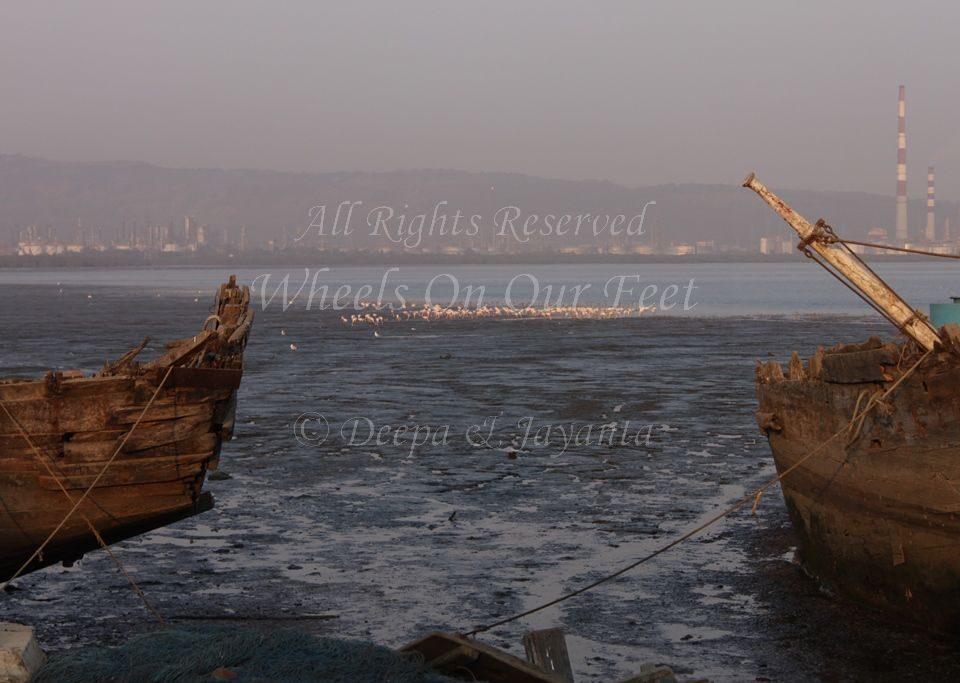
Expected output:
(902, 249)
(133, 584)
(856, 425)
(812, 256)
(754, 496)
(93, 529)
(830, 238)
(93, 484)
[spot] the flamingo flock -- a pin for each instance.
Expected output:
(371, 315)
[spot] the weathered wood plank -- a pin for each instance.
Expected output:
(98, 451)
(872, 365)
(547, 649)
(178, 353)
(167, 411)
(124, 461)
(122, 474)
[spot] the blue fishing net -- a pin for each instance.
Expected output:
(192, 655)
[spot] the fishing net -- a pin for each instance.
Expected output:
(193, 655)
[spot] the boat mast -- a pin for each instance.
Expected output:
(821, 239)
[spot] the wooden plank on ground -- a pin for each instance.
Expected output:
(547, 649)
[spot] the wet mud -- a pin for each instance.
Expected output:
(390, 539)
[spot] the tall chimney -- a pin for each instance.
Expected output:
(931, 231)
(902, 234)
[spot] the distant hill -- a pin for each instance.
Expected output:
(108, 195)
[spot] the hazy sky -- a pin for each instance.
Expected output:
(634, 92)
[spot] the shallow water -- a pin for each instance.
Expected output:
(715, 289)
(481, 520)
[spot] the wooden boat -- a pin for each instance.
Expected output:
(867, 440)
(128, 447)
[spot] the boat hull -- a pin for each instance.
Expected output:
(131, 445)
(875, 510)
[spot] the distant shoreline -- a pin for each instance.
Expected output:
(313, 258)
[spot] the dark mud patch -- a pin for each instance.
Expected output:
(396, 541)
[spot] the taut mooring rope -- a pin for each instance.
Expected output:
(754, 496)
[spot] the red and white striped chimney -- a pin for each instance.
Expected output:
(902, 234)
(931, 231)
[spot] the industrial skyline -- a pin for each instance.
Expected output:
(902, 220)
(905, 233)
(38, 238)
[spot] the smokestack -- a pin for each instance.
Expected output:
(902, 234)
(931, 231)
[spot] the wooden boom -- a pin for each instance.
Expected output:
(849, 265)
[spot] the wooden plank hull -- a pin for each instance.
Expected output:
(136, 440)
(877, 511)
